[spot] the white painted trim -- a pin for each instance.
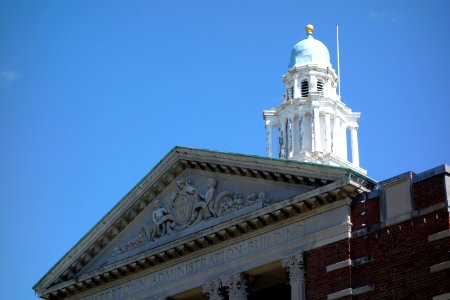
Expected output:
(339, 265)
(427, 210)
(440, 266)
(341, 293)
(445, 296)
(363, 289)
(348, 262)
(347, 292)
(439, 235)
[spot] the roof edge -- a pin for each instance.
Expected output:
(176, 150)
(102, 219)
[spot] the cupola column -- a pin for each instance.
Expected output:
(301, 133)
(289, 138)
(280, 141)
(344, 140)
(317, 138)
(336, 136)
(327, 133)
(285, 138)
(355, 150)
(269, 129)
(295, 135)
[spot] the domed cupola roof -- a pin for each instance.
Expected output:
(310, 52)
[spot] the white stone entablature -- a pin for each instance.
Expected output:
(278, 243)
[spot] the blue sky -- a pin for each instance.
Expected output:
(94, 93)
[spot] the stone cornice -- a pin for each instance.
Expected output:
(310, 69)
(331, 185)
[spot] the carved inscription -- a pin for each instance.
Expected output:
(218, 258)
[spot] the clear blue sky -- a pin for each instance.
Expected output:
(94, 93)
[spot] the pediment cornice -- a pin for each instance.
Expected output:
(329, 186)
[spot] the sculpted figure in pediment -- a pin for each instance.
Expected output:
(187, 206)
(163, 222)
(210, 197)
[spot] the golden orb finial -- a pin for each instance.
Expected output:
(309, 29)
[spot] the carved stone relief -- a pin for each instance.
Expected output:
(212, 290)
(163, 222)
(142, 238)
(236, 285)
(186, 207)
(294, 265)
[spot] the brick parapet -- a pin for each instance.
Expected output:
(401, 257)
(395, 260)
(404, 259)
(429, 191)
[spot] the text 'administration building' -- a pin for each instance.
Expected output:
(306, 225)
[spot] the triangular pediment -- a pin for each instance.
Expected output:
(193, 199)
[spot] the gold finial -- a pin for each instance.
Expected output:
(309, 29)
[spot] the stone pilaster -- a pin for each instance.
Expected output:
(236, 285)
(211, 289)
(294, 265)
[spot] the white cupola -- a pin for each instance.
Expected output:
(312, 122)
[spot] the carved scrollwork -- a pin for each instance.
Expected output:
(186, 207)
(294, 265)
(236, 285)
(212, 289)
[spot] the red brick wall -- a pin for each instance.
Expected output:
(367, 212)
(429, 191)
(319, 282)
(401, 254)
(401, 259)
